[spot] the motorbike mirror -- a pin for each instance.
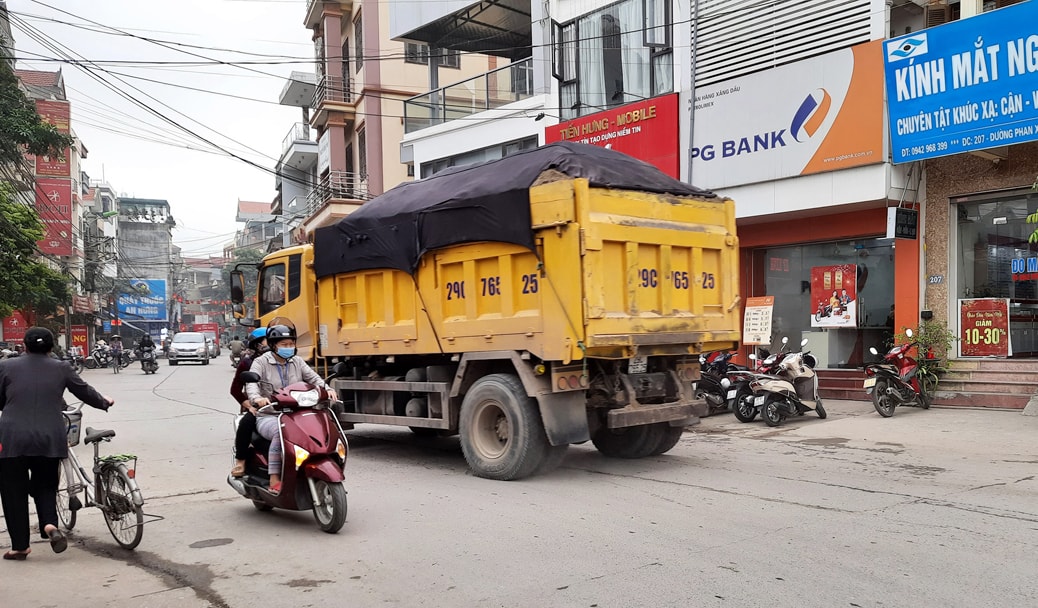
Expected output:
(803, 342)
(250, 377)
(908, 332)
(339, 369)
(785, 339)
(753, 357)
(872, 349)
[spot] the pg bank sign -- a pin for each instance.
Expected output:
(820, 114)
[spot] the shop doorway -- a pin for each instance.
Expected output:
(996, 258)
(792, 273)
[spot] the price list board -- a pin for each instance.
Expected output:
(756, 321)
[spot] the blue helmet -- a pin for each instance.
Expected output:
(256, 336)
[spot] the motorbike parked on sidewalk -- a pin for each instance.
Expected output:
(314, 450)
(713, 382)
(793, 390)
(740, 392)
(148, 362)
(100, 357)
(899, 380)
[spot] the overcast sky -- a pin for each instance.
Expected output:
(139, 153)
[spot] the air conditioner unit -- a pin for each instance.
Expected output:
(937, 13)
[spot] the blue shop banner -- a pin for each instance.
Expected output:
(144, 299)
(967, 85)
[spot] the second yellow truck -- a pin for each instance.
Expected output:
(547, 298)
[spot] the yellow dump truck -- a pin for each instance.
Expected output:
(547, 298)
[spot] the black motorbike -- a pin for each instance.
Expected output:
(714, 382)
(100, 357)
(148, 362)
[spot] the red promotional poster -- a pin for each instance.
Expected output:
(79, 337)
(984, 328)
(646, 130)
(834, 296)
(14, 328)
(54, 204)
(56, 113)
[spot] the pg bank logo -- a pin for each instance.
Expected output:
(810, 115)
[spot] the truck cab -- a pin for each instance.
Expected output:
(285, 288)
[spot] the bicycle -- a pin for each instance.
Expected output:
(111, 485)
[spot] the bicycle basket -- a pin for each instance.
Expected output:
(73, 420)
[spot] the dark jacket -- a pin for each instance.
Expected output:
(32, 388)
(237, 386)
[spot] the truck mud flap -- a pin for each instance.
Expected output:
(564, 416)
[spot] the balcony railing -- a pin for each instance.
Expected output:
(299, 132)
(487, 91)
(337, 185)
(335, 89)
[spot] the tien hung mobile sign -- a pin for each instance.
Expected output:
(967, 85)
(984, 328)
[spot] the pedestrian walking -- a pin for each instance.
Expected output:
(33, 437)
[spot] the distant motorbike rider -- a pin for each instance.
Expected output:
(247, 425)
(142, 346)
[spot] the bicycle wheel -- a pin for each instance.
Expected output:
(66, 494)
(124, 518)
(928, 385)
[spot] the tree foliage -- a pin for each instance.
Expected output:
(21, 128)
(25, 282)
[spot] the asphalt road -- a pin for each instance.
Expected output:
(928, 508)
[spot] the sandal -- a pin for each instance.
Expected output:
(17, 555)
(58, 542)
(238, 470)
(275, 488)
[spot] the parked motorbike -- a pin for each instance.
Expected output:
(791, 392)
(740, 391)
(148, 362)
(899, 380)
(100, 357)
(75, 360)
(314, 450)
(713, 380)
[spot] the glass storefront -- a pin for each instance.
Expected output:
(996, 256)
(853, 285)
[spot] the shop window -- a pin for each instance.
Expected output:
(615, 55)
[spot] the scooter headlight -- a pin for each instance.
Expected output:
(340, 449)
(301, 456)
(306, 398)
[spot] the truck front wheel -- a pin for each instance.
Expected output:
(502, 435)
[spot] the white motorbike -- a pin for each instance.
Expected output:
(791, 392)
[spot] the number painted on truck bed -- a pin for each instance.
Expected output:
(708, 280)
(529, 283)
(491, 286)
(680, 280)
(649, 277)
(456, 290)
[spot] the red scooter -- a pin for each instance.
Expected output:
(899, 380)
(314, 450)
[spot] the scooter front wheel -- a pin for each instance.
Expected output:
(331, 513)
(742, 405)
(820, 410)
(771, 411)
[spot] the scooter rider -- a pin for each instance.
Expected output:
(247, 425)
(146, 342)
(277, 369)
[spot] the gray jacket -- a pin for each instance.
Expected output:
(32, 389)
(279, 376)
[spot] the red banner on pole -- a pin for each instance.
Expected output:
(79, 338)
(54, 204)
(984, 328)
(14, 327)
(58, 114)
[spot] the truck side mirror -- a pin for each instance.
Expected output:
(238, 310)
(237, 288)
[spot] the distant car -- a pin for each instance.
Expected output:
(214, 348)
(188, 346)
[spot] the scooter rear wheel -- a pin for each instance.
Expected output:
(881, 400)
(771, 411)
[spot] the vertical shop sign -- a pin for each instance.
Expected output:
(756, 320)
(834, 296)
(984, 327)
(54, 205)
(79, 338)
(56, 113)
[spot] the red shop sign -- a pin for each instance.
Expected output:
(646, 130)
(984, 328)
(14, 327)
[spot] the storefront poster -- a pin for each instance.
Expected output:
(984, 328)
(145, 299)
(834, 296)
(756, 323)
(14, 328)
(79, 337)
(54, 206)
(812, 116)
(967, 85)
(646, 130)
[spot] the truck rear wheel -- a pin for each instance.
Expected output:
(629, 442)
(671, 437)
(502, 435)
